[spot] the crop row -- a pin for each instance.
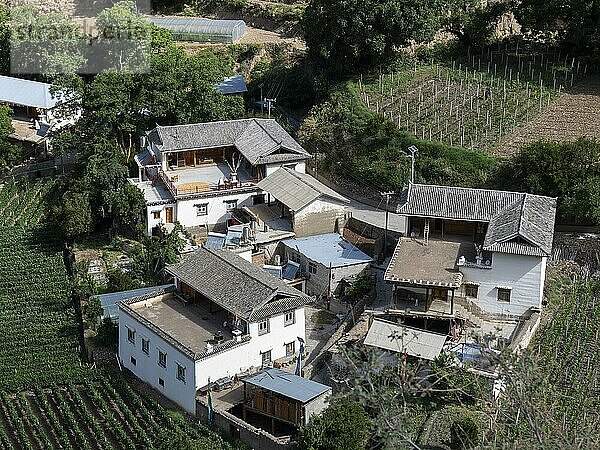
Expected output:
(100, 414)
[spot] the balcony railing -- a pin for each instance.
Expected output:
(205, 187)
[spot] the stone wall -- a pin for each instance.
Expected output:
(236, 428)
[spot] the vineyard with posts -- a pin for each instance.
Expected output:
(49, 397)
(567, 351)
(103, 414)
(472, 101)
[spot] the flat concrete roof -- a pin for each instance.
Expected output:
(188, 324)
(433, 264)
(153, 193)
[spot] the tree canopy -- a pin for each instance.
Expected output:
(574, 23)
(344, 36)
(343, 425)
(568, 170)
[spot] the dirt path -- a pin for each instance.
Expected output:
(574, 114)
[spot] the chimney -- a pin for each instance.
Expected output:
(277, 260)
(237, 335)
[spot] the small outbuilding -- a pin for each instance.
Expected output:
(232, 85)
(282, 396)
(199, 29)
(326, 260)
(310, 206)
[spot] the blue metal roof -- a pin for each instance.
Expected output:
(287, 384)
(232, 85)
(28, 93)
(215, 240)
(109, 301)
(290, 270)
(328, 249)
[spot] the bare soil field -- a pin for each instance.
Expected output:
(576, 113)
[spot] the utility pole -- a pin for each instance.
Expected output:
(387, 212)
(262, 99)
(413, 152)
(269, 101)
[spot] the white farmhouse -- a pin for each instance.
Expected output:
(486, 248)
(199, 174)
(222, 317)
(327, 260)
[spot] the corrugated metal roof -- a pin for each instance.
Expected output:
(253, 138)
(399, 338)
(287, 384)
(297, 190)
(28, 93)
(109, 301)
(329, 248)
(232, 85)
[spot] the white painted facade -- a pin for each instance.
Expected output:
(208, 210)
(245, 356)
(146, 366)
(524, 275)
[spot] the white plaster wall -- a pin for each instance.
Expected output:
(249, 354)
(320, 205)
(278, 335)
(318, 283)
(185, 212)
(525, 274)
(299, 166)
(147, 368)
(150, 221)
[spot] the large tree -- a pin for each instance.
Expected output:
(348, 35)
(568, 170)
(576, 23)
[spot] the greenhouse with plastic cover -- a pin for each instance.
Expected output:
(201, 30)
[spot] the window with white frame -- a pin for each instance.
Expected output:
(131, 335)
(504, 294)
(146, 346)
(180, 372)
(290, 348)
(263, 327)
(312, 267)
(201, 209)
(162, 358)
(230, 205)
(289, 318)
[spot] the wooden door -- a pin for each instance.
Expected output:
(169, 213)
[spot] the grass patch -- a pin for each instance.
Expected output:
(323, 317)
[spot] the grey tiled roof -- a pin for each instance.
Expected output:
(526, 218)
(456, 203)
(233, 283)
(295, 189)
(253, 138)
